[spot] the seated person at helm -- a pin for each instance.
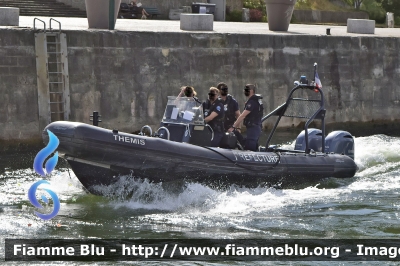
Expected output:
(189, 92)
(214, 115)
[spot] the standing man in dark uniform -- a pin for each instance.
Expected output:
(252, 115)
(231, 106)
(214, 116)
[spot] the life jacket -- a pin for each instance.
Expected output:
(254, 117)
(217, 124)
(230, 117)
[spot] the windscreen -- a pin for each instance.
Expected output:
(183, 110)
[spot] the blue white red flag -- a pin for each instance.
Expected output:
(318, 81)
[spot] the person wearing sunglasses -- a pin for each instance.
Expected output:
(214, 116)
(251, 117)
(231, 106)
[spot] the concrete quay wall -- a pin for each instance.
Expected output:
(318, 16)
(18, 86)
(127, 76)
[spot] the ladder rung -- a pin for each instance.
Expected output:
(54, 62)
(56, 102)
(57, 112)
(56, 92)
(54, 82)
(54, 52)
(53, 42)
(55, 72)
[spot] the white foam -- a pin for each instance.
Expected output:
(375, 150)
(375, 155)
(65, 184)
(198, 199)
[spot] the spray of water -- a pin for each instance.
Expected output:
(376, 156)
(233, 212)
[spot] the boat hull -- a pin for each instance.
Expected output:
(100, 156)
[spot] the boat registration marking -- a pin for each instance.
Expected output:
(256, 157)
(130, 140)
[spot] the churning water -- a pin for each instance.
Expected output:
(366, 206)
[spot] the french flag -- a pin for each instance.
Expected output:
(318, 81)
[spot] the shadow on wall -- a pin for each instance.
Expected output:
(317, 16)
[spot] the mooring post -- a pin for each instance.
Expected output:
(95, 119)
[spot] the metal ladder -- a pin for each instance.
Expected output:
(53, 78)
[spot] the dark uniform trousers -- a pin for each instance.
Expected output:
(217, 139)
(251, 140)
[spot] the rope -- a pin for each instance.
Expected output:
(68, 168)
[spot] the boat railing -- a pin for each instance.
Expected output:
(146, 127)
(212, 131)
(305, 108)
(166, 130)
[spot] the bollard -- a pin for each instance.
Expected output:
(390, 20)
(328, 31)
(245, 15)
(95, 119)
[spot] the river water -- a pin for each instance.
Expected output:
(366, 206)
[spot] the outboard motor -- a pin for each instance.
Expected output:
(314, 140)
(341, 142)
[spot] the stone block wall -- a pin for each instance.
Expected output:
(317, 16)
(127, 76)
(18, 85)
(74, 3)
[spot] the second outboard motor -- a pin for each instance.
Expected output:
(341, 142)
(314, 140)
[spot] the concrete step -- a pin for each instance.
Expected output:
(43, 8)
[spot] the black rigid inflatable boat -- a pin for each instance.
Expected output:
(178, 151)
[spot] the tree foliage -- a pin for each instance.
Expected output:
(391, 6)
(374, 10)
(255, 4)
(258, 10)
(355, 3)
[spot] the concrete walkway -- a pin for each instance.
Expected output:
(219, 27)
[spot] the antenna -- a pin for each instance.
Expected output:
(315, 70)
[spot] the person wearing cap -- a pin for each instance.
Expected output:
(214, 116)
(231, 106)
(251, 118)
